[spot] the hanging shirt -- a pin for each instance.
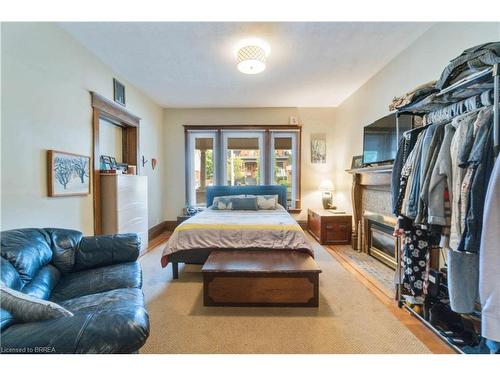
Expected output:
(427, 168)
(489, 259)
(481, 162)
(461, 142)
(441, 181)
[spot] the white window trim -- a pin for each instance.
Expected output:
(293, 135)
(191, 199)
(243, 134)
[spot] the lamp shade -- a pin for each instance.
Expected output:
(326, 185)
(251, 55)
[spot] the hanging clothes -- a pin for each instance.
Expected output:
(405, 173)
(463, 269)
(463, 280)
(480, 163)
(406, 145)
(410, 202)
(441, 181)
(461, 145)
(416, 260)
(489, 263)
(430, 160)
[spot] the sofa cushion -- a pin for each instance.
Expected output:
(105, 301)
(27, 250)
(10, 278)
(100, 251)
(119, 325)
(6, 319)
(9, 275)
(97, 280)
(25, 308)
(43, 283)
(64, 243)
(123, 329)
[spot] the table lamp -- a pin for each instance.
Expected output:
(327, 189)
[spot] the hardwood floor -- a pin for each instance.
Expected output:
(427, 337)
(159, 240)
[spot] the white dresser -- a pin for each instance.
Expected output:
(124, 205)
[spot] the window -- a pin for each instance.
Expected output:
(243, 158)
(201, 162)
(284, 164)
(238, 157)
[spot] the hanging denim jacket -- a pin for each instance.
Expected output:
(411, 210)
(429, 162)
(481, 161)
(405, 147)
(462, 138)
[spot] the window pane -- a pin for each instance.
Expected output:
(283, 168)
(243, 161)
(203, 167)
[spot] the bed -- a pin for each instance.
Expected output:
(230, 230)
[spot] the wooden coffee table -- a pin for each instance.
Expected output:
(260, 278)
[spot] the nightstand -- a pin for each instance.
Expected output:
(182, 218)
(329, 228)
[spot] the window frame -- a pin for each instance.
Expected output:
(190, 163)
(243, 134)
(267, 132)
(295, 162)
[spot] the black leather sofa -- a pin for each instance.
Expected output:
(97, 278)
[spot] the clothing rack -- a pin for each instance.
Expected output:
(485, 77)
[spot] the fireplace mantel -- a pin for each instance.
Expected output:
(377, 178)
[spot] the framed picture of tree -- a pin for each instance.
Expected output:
(68, 174)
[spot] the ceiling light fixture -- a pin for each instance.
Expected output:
(251, 55)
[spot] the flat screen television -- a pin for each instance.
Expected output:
(380, 139)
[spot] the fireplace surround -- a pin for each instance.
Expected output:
(371, 199)
(381, 244)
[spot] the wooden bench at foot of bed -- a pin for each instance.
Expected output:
(260, 278)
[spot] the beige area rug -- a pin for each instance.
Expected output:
(349, 320)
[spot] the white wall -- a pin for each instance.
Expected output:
(46, 79)
(423, 61)
(110, 139)
(314, 120)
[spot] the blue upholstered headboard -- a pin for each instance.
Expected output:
(219, 191)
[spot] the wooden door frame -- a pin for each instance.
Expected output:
(108, 110)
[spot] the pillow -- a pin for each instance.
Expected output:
(247, 203)
(266, 202)
(225, 202)
(25, 308)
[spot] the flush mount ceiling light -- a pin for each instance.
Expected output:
(251, 55)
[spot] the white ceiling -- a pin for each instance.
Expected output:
(193, 65)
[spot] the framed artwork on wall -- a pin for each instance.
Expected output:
(68, 174)
(118, 92)
(318, 148)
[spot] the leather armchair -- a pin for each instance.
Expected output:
(97, 278)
